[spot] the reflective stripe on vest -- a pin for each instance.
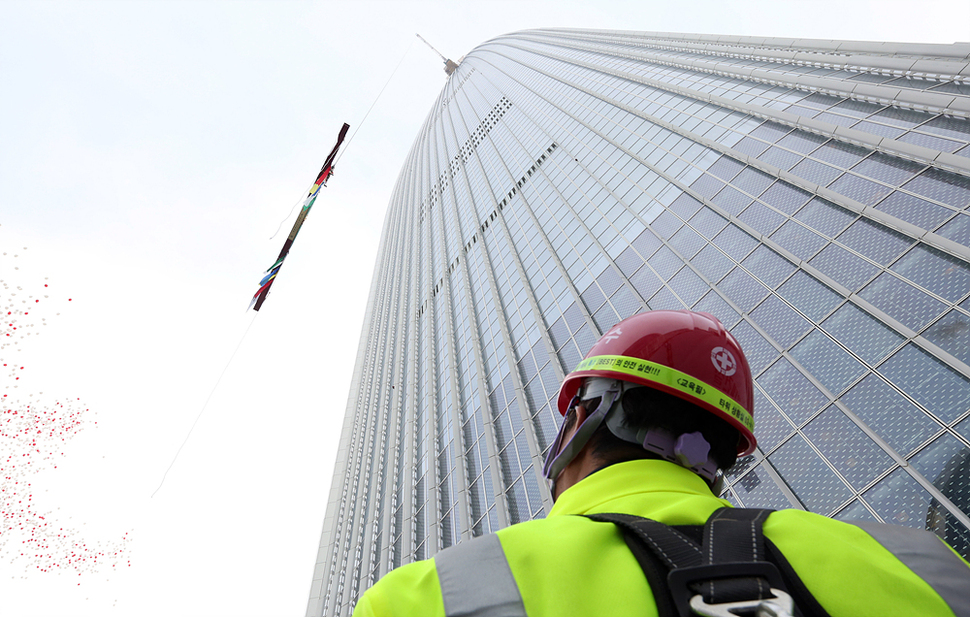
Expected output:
(476, 580)
(929, 558)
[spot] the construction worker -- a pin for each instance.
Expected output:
(660, 406)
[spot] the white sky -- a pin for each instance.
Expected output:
(147, 153)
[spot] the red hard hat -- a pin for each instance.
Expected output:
(687, 354)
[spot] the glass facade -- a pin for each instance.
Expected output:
(813, 195)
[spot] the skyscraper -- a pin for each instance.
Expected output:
(810, 194)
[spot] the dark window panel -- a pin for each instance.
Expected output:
(780, 321)
(930, 382)
(712, 263)
(761, 218)
(593, 298)
(840, 155)
(646, 243)
(629, 261)
(753, 181)
(820, 101)
(759, 352)
(879, 129)
(864, 191)
(707, 222)
(946, 462)
(687, 242)
(900, 500)
(666, 224)
(876, 242)
(665, 262)
(852, 452)
(952, 334)
(844, 267)
(646, 282)
(559, 333)
(732, 200)
(688, 286)
(942, 274)
(865, 336)
(758, 490)
(770, 427)
(825, 216)
(911, 209)
(685, 206)
(900, 423)
(815, 172)
(930, 141)
(953, 88)
(901, 301)
(585, 339)
(827, 361)
(957, 229)
(735, 242)
(802, 141)
(609, 281)
(768, 266)
(837, 119)
(743, 289)
(726, 168)
(810, 296)
(750, 146)
(943, 186)
(625, 303)
(781, 158)
(855, 511)
(954, 128)
(903, 118)
(770, 131)
(889, 169)
(792, 391)
(859, 109)
(812, 481)
(665, 300)
(799, 240)
(574, 317)
(716, 305)
(605, 318)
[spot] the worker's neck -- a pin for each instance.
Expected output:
(580, 467)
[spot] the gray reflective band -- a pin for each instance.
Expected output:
(930, 559)
(476, 580)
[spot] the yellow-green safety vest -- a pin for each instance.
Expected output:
(566, 565)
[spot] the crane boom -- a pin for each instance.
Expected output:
(450, 65)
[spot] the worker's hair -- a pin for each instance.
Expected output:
(649, 408)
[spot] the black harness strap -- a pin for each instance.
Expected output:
(731, 564)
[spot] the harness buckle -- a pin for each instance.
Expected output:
(779, 606)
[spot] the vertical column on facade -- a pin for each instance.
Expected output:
(401, 331)
(488, 421)
(381, 531)
(525, 411)
(411, 203)
(456, 418)
(432, 513)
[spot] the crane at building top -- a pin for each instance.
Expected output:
(450, 65)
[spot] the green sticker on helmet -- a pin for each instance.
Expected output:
(671, 378)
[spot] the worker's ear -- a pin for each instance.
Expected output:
(581, 414)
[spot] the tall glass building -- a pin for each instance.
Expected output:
(811, 194)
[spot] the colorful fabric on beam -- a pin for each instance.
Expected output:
(325, 172)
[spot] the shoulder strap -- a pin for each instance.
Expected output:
(476, 580)
(929, 558)
(732, 565)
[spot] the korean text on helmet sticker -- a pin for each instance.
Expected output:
(674, 379)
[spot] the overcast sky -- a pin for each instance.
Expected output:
(148, 151)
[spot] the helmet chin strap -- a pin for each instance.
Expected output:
(561, 455)
(689, 450)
